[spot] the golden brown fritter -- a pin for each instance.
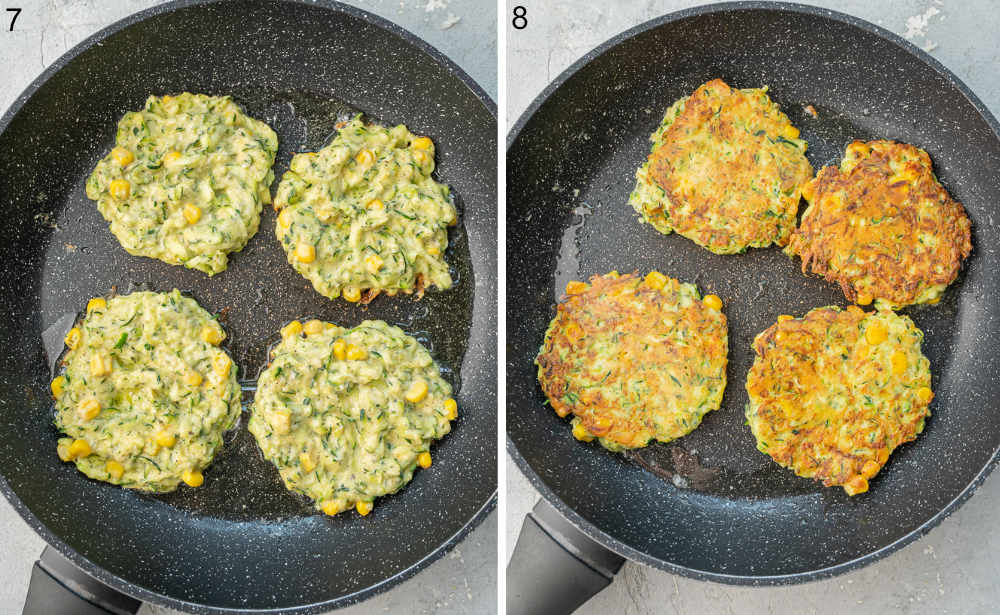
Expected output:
(833, 393)
(634, 359)
(726, 170)
(882, 226)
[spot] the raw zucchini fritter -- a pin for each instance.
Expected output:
(832, 394)
(347, 415)
(882, 226)
(186, 180)
(725, 171)
(146, 394)
(635, 359)
(363, 215)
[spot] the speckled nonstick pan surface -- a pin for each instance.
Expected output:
(709, 505)
(241, 541)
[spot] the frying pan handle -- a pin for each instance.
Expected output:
(58, 586)
(555, 567)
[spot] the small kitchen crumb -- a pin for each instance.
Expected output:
(450, 21)
(916, 25)
(811, 110)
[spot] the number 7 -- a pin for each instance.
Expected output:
(14, 18)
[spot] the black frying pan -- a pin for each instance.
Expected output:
(709, 505)
(241, 541)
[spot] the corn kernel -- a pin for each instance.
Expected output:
(876, 333)
(171, 157)
(211, 335)
(313, 327)
(858, 484)
(865, 299)
(575, 287)
(115, 469)
(422, 143)
(898, 361)
(79, 448)
(221, 364)
(656, 280)
(192, 213)
(351, 293)
(120, 189)
(73, 338)
(859, 148)
(62, 449)
(420, 157)
(292, 328)
(417, 391)
(713, 301)
(925, 394)
(870, 469)
(376, 204)
(340, 349)
(365, 157)
(193, 478)
(424, 460)
(363, 508)
(285, 218)
(330, 507)
(58, 385)
(97, 303)
(779, 336)
(785, 317)
(122, 156)
(790, 132)
(89, 409)
(581, 433)
(433, 250)
(373, 262)
(451, 409)
(809, 190)
(100, 365)
(193, 378)
(306, 462)
(165, 439)
(356, 353)
(305, 252)
(602, 423)
(282, 421)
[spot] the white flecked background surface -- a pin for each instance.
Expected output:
(465, 579)
(955, 568)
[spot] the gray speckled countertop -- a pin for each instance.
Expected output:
(951, 570)
(465, 579)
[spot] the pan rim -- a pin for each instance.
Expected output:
(591, 529)
(78, 559)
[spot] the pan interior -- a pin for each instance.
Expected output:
(710, 504)
(242, 540)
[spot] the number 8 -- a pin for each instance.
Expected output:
(520, 21)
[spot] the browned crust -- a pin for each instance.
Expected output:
(786, 375)
(703, 186)
(629, 308)
(838, 240)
